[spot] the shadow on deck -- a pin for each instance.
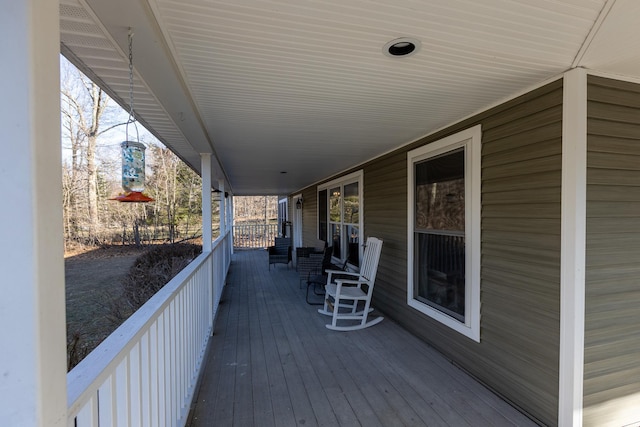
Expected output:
(272, 362)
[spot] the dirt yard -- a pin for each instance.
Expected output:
(92, 279)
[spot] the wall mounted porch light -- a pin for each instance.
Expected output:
(299, 203)
(216, 191)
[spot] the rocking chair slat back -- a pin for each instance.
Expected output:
(370, 259)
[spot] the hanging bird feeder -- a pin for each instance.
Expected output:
(133, 173)
(132, 152)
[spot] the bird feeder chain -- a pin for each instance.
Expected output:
(132, 117)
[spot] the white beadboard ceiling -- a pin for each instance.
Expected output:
(303, 86)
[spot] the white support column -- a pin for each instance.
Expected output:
(230, 221)
(223, 207)
(32, 305)
(573, 248)
(230, 212)
(205, 159)
(207, 232)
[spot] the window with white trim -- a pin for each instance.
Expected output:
(444, 231)
(340, 217)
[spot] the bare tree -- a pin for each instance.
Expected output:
(256, 209)
(84, 105)
(163, 181)
(178, 194)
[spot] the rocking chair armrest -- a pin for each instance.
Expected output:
(333, 275)
(342, 272)
(349, 282)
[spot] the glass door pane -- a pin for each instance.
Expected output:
(353, 244)
(322, 216)
(334, 204)
(351, 204)
(336, 240)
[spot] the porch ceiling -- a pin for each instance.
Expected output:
(304, 86)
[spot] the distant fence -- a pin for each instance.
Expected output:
(132, 234)
(254, 235)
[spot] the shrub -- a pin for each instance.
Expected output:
(150, 272)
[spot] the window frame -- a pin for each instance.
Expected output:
(355, 177)
(470, 140)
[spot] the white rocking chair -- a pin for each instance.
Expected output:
(347, 293)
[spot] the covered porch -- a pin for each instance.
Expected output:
(279, 97)
(271, 362)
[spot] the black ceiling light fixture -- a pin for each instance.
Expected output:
(402, 47)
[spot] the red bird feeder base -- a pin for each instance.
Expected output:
(133, 197)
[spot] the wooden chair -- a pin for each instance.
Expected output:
(344, 296)
(280, 252)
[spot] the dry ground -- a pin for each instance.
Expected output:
(92, 278)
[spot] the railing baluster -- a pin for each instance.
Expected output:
(145, 380)
(122, 394)
(179, 364)
(168, 363)
(106, 402)
(189, 328)
(154, 365)
(88, 416)
(135, 387)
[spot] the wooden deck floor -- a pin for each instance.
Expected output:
(273, 363)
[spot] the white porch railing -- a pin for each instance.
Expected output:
(145, 372)
(254, 235)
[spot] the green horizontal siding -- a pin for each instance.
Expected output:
(309, 217)
(521, 194)
(612, 322)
